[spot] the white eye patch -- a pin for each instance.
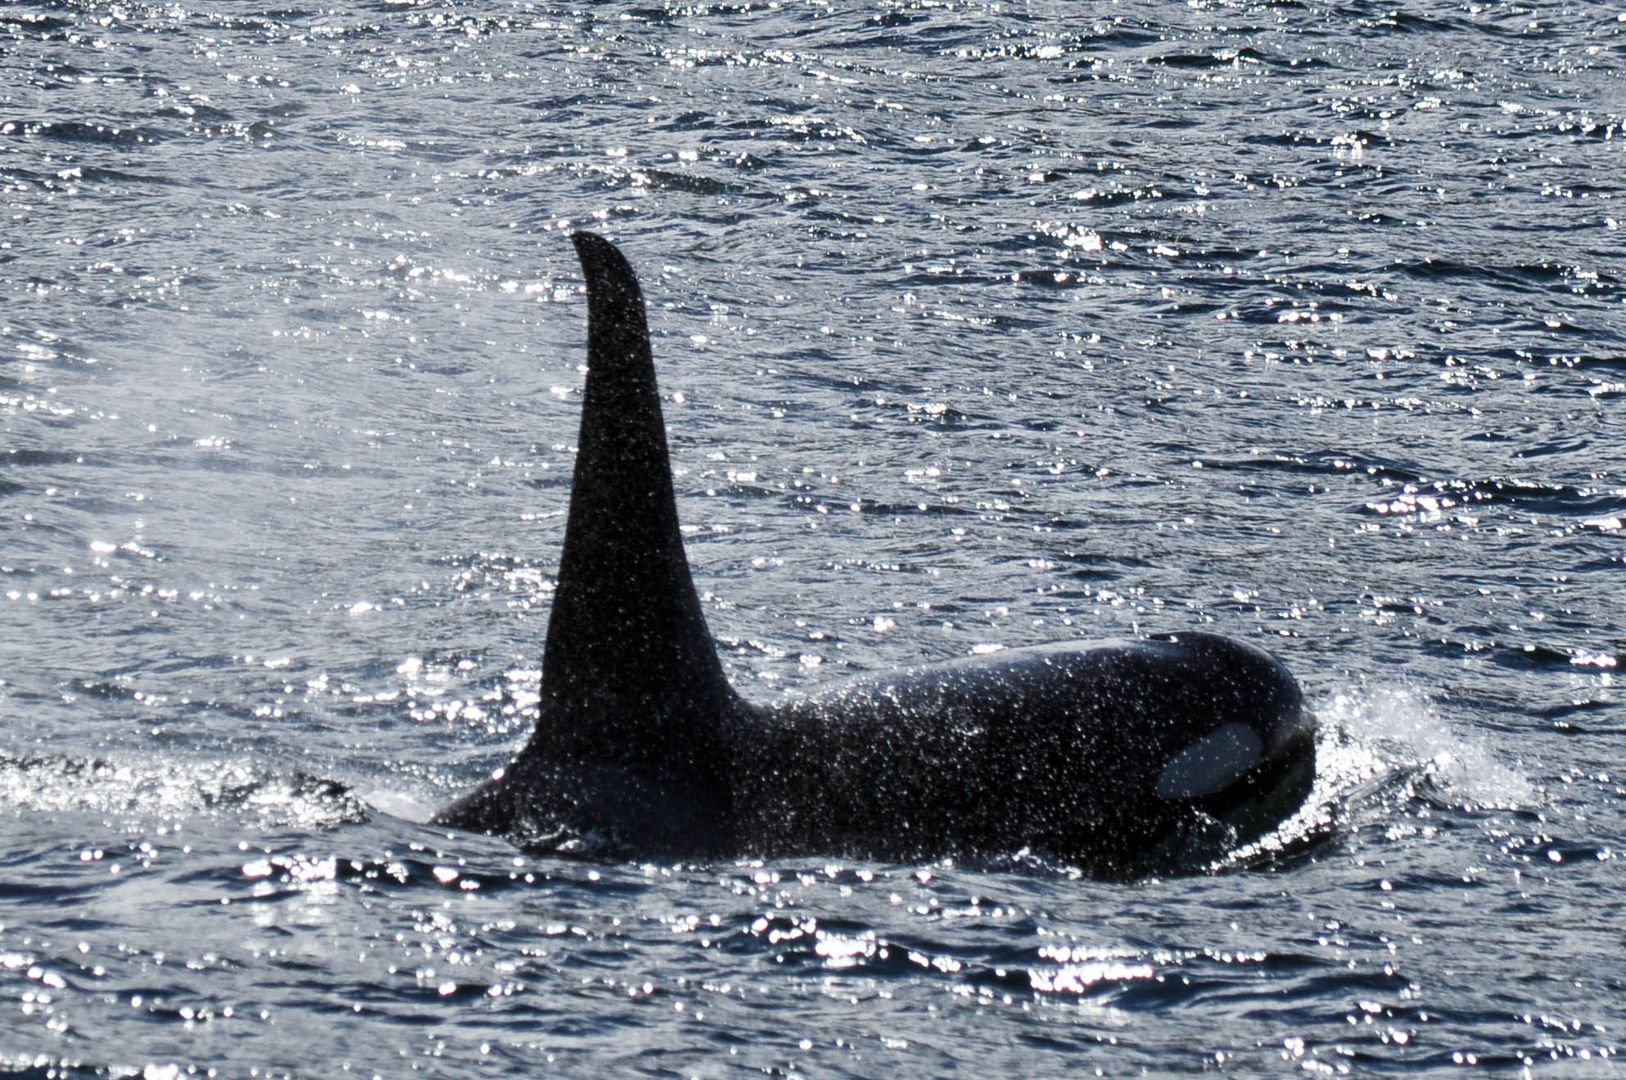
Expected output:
(1210, 763)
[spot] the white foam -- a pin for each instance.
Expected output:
(1400, 728)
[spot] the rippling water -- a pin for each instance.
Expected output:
(981, 324)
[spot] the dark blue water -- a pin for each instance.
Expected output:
(981, 324)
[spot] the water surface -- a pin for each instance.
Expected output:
(980, 325)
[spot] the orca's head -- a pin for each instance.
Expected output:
(1248, 759)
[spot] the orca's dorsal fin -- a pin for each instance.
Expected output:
(630, 670)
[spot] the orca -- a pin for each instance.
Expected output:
(1117, 757)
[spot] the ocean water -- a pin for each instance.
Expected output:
(980, 324)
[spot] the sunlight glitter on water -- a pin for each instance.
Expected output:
(1078, 968)
(284, 295)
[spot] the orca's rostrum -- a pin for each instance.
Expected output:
(1119, 756)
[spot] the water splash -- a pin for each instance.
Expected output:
(170, 789)
(1400, 733)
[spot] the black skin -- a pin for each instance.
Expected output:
(642, 748)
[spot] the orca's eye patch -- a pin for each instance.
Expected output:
(1211, 763)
